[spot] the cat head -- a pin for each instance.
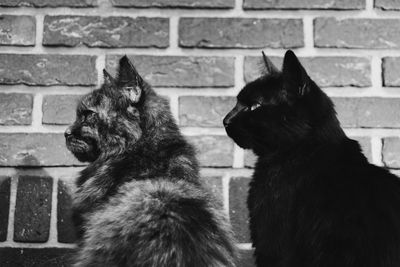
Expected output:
(110, 119)
(279, 109)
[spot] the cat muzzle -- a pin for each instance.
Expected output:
(68, 133)
(239, 108)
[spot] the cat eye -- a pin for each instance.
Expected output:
(88, 113)
(255, 106)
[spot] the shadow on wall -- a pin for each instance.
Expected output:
(32, 190)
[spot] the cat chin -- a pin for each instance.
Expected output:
(239, 140)
(82, 157)
(82, 150)
(244, 145)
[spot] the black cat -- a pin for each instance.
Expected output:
(314, 200)
(140, 202)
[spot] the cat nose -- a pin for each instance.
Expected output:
(68, 132)
(226, 121)
(236, 111)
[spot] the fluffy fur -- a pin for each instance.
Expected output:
(139, 202)
(314, 199)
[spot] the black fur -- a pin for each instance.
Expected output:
(314, 200)
(139, 202)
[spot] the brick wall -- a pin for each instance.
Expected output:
(199, 53)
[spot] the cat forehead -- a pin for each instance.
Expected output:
(264, 87)
(94, 100)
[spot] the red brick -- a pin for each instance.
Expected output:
(65, 227)
(391, 70)
(391, 152)
(204, 111)
(96, 31)
(48, 3)
(325, 71)
(33, 209)
(48, 69)
(357, 33)
(368, 112)
(175, 3)
(240, 33)
(181, 71)
(238, 212)
(17, 30)
(16, 109)
(304, 4)
(35, 257)
(213, 150)
(34, 149)
(59, 109)
(5, 183)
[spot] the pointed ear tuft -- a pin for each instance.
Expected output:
(108, 79)
(269, 66)
(127, 73)
(296, 79)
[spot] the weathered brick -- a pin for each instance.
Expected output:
(65, 228)
(387, 4)
(175, 3)
(368, 112)
(309, 4)
(240, 33)
(48, 3)
(17, 30)
(180, 71)
(346, 109)
(391, 152)
(48, 69)
(213, 150)
(238, 213)
(357, 33)
(246, 258)
(33, 209)
(391, 70)
(5, 183)
(96, 31)
(15, 109)
(59, 109)
(35, 257)
(34, 149)
(204, 111)
(214, 185)
(325, 71)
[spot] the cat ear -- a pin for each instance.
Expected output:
(295, 77)
(127, 73)
(129, 80)
(269, 66)
(108, 79)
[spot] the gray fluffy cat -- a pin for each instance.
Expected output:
(140, 202)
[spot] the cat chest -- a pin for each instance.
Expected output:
(271, 204)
